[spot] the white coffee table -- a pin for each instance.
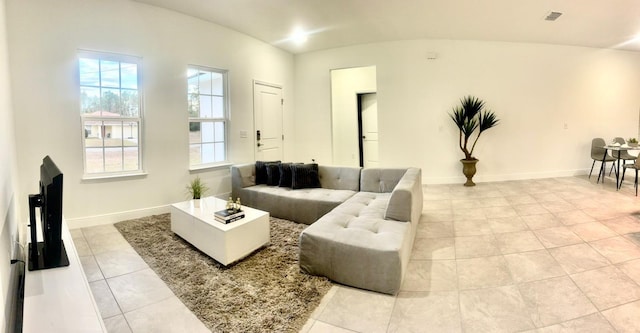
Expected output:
(226, 243)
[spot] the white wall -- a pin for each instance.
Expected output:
(533, 88)
(8, 176)
(346, 84)
(44, 37)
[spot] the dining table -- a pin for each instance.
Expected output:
(615, 150)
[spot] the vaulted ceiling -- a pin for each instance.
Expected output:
(335, 23)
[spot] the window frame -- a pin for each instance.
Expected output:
(225, 119)
(120, 58)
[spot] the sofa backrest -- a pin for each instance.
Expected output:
(405, 203)
(380, 180)
(339, 178)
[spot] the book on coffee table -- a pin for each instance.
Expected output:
(227, 216)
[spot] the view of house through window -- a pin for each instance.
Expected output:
(111, 112)
(207, 106)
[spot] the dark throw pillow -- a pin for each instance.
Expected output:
(261, 171)
(273, 174)
(285, 175)
(304, 176)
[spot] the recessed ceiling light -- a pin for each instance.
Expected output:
(299, 36)
(552, 16)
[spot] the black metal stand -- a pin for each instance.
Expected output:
(43, 255)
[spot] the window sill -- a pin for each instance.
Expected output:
(210, 167)
(90, 177)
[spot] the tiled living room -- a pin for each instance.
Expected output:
(547, 255)
(134, 99)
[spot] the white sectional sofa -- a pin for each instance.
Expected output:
(362, 221)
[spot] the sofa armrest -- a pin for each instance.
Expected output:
(405, 203)
(243, 175)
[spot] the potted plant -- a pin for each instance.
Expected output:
(633, 142)
(471, 116)
(196, 189)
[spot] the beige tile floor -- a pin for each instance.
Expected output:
(548, 255)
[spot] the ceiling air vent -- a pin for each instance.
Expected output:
(552, 16)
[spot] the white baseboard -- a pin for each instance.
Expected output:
(90, 221)
(479, 178)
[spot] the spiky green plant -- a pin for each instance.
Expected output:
(469, 116)
(197, 188)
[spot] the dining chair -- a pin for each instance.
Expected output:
(598, 153)
(624, 155)
(636, 167)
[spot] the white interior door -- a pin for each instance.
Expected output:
(370, 130)
(267, 110)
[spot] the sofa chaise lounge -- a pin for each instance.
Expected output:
(362, 221)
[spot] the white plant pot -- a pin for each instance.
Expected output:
(196, 203)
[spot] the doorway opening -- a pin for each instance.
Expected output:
(368, 129)
(351, 93)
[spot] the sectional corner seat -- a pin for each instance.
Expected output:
(362, 222)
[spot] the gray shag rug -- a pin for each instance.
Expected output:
(264, 292)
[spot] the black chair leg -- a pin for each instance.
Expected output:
(603, 169)
(622, 180)
(636, 182)
(612, 165)
(592, 164)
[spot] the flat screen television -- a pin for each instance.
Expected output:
(50, 252)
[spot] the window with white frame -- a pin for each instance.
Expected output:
(208, 116)
(111, 113)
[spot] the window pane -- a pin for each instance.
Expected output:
(193, 105)
(219, 149)
(205, 106)
(194, 154)
(207, 131)
(219, 131)
(110, 73)
(110, 102)
(129, 75)
(207, 153)
(194, 132)
(131, 158)
(205, 82)
(130, 133)
(93, 160)
(218, 107)
(113, 159)
(192, 81)
(90, 100)
(93, 131)
(113, 133)
(130, 103)
(89, 70)
(217, 83)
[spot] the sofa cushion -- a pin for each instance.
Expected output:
(261, 171)
(339, 178)
(304, 176)
(303, 205)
